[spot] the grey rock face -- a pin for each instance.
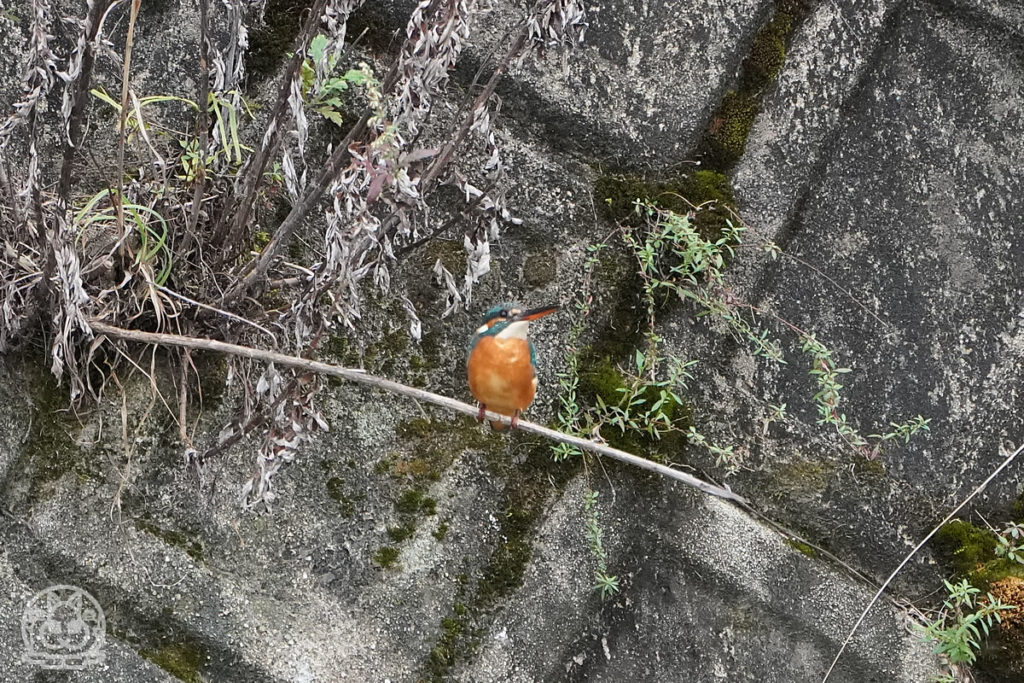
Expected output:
(908, 202)
(887, 156)
(640, 89)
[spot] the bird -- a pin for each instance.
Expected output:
(501, 362)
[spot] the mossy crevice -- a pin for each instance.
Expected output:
(727, 134)
(705, 194)
(183, 659)
(725, 138)
(601, 379)
(190, 544)
(971, 552)
(527, 490)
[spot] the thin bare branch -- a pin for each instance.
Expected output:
(226, 314)
(411, 392)
(913, 552)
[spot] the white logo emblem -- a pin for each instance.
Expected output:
(63, 628)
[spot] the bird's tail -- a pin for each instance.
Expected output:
(498, 426)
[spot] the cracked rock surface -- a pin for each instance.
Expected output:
(406, 544)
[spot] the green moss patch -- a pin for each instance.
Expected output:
(601, 379)
(336, 489)
(527, 489)
(182, 660)
(338, 349)
(414, 501)
(401, 533)
(189, 544)
(386, 557)
(801, 547)
(971, 551)
(809, 476)
(726, 136)
(706, 195)
(768, 50)
(1017, 511)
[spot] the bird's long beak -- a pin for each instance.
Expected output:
(535, 313)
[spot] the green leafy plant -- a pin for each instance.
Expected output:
(570, 413)
(225, 115)
(149, 225)
(962, 622)
(648, 400)
(675, 258)
(606, 585)
(1010, 543)
(570, 418)
(325, 98)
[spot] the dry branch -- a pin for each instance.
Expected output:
(403, 390)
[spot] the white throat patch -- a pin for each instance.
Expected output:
(518, 330)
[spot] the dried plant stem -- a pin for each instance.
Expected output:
(445, 155)
(213, 309)
(236, 215)
(125, 73)
(202, 130)
(5, 185)
(403, 390)
(313, 193)
(299, 211)
(913, 552)
(74, 136)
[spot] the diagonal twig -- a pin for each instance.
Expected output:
(411, 392)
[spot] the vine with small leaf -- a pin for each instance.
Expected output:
(674, 257)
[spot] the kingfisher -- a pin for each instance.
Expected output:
(502, 362)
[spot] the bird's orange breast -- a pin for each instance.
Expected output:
(501, 375)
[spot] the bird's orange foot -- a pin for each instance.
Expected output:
(480, 415)
(515, 419)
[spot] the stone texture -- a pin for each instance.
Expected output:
(885, 156)
(909, 205)
(713, 595)
(639, 91)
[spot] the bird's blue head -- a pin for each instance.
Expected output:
(503, 318)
